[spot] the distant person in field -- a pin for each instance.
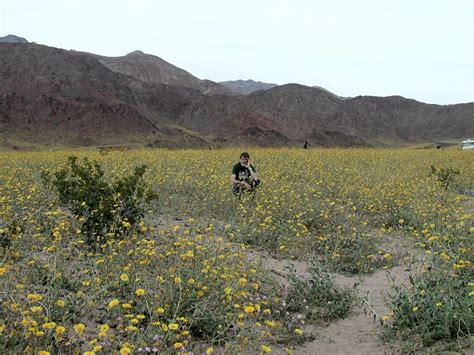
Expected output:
(244, 176)
(306, 145)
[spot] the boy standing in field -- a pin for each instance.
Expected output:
(244, 176)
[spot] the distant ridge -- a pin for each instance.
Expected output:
(52, 96)
(154, 70)
(249, 86)
(246, 87)
(13, 39)
(331, 93)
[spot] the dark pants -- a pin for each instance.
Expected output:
(238, 190)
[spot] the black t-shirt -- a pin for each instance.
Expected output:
(242, 173)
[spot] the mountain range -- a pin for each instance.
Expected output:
(51, 96)
(245, 87)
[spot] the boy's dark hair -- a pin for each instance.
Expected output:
(244, 155)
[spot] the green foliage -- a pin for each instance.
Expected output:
(436, 306)
(317, 296)
(445, 176)
(8, 233)
(358, 255)
(399, 217)
(104, 208)
(352, 253)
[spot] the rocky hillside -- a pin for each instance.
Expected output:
(49, 94)
(295, 113)
(154, 70)
(52, 96)
(13, 39)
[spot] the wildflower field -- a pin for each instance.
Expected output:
(172, 267)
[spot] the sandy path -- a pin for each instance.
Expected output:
(358, 333)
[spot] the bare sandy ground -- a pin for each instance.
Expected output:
(359, 333)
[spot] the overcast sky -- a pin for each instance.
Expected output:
(420, 49)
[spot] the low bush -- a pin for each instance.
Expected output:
(105, 208)
(437, 305)
(445, 176)
(316, 296)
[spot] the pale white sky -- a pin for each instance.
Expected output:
(420, 49)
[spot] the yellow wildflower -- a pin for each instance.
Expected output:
(249, 309)
(50, 325)
(113, 303)
(79, 328)
(36, 309)
(125, 350)
(60, 330)
(34, 297)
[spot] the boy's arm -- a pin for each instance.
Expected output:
(233, 179)
(233, 176)
(253, 173)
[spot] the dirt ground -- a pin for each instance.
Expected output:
(359, 333)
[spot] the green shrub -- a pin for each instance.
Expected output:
(437, 305)
(103, 208)
(399, 217)
(445, 176)
(317, 296)
(8, 233)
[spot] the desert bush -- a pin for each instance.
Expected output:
(355, 253)
(317, 296)
(8, 233)
(437, 305)
(399, 217)
(445, 176)
(105, 208)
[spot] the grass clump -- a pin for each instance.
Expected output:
(436, 305)
(316, 296)
(445, 176)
